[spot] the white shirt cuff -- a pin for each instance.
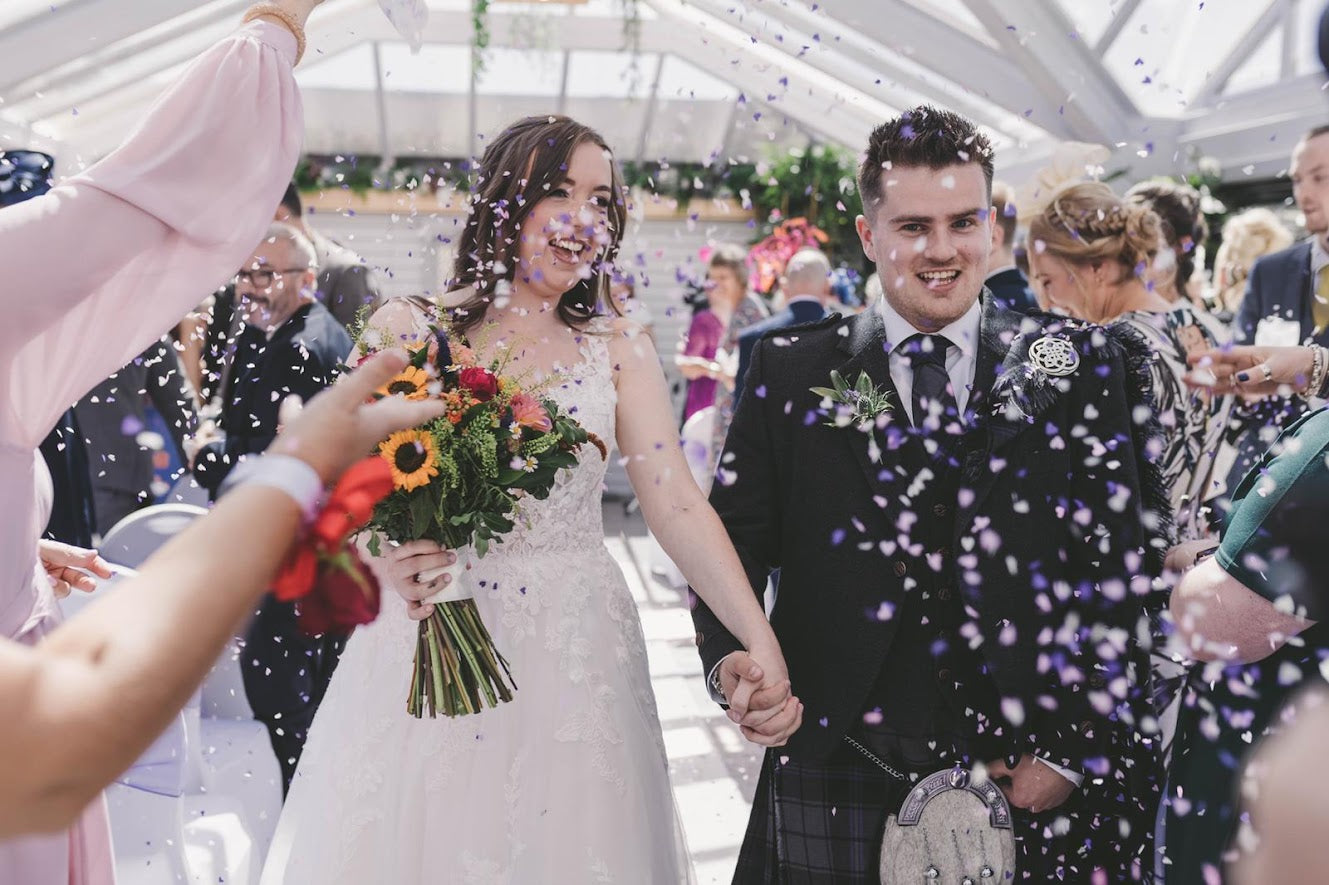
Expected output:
(1073, 776)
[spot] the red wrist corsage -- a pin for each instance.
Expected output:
(334, 589)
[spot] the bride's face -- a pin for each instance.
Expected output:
(568, 227)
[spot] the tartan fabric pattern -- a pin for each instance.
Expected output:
(821, 824)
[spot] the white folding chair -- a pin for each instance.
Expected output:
(202, 803)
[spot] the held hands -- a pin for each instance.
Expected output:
(760, 697)
(1030, 785)
(339, 426)
(65, 565)
(402, 567)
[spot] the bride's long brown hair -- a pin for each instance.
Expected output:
(519, 167)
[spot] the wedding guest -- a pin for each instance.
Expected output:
(1247, 237)
(1253, 610)
(808, 297)
(1183, 232)
(346, 284)
(1287, 301)
(920, 526)
(290, 345)
(729, 275)
(145, 252)
(1092, 261)
(1005, 279)
(726, 305)
(84, 703)
(113, 416)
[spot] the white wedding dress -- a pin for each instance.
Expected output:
(567, 783)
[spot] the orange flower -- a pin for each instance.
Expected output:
(530, 412)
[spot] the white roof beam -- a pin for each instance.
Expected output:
(833, 110)
(74, 29)
(1120, 18)
(1037, 35)
(1240, 54)
(990, 74)
(1257, 130)
(844, 53)
(110, 53)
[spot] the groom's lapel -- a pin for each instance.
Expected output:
(865, 346)
(998, 328)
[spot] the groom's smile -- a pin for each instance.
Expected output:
(930, 239)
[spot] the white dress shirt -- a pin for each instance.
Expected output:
(961, 356)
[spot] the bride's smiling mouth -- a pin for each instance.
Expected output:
(567, 250)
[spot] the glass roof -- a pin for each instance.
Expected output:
(707, 77)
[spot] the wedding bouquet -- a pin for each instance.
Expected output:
(459, 481)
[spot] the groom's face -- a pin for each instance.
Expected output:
(930, 240)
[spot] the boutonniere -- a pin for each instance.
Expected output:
(861, 404)
(1030, 386)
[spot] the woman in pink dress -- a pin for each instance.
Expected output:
(100, 267)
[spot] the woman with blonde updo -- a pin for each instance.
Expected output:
(1091, 255)
(1246, 237)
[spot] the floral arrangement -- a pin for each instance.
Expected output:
(768, 258)
(459, 481)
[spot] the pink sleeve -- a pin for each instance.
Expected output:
(704, 335)
(108, 261)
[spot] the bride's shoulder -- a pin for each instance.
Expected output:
(398, 320)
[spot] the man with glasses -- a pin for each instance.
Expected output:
(290, 345)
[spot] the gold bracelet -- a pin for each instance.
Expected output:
(286, 18)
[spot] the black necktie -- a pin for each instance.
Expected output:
(936, 413)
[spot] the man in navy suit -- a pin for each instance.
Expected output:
(807, 286)
(1008, 285)
(1287, 298)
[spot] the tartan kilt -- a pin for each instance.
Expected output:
(821, 824)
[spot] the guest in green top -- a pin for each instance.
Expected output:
(1249, 612)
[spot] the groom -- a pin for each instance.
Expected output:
(963, 560)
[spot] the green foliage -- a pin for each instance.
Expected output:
(818, 184)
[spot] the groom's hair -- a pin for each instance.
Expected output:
(924, 136)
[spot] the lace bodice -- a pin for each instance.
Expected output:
(570, 518)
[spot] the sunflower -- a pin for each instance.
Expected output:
(411, 383)
(412, 456)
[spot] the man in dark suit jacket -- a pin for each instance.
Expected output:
(963, 551)
(1287, 301)
(346, 285)
(807, 288)
(112, 416)
(1005, 280)
(290, 345)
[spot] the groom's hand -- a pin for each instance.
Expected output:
(766, 713)
(1031, 785)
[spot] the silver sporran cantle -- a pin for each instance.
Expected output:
(953, 827)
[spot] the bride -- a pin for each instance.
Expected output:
(569, 781)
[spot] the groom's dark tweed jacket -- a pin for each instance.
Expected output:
(1058, 523)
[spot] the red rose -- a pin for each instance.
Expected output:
(341, 600)
(480, 382)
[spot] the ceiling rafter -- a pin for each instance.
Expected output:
(1061, 68)
(1120, 18)
(845, 53)
(991, 74)
(1241, 52)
